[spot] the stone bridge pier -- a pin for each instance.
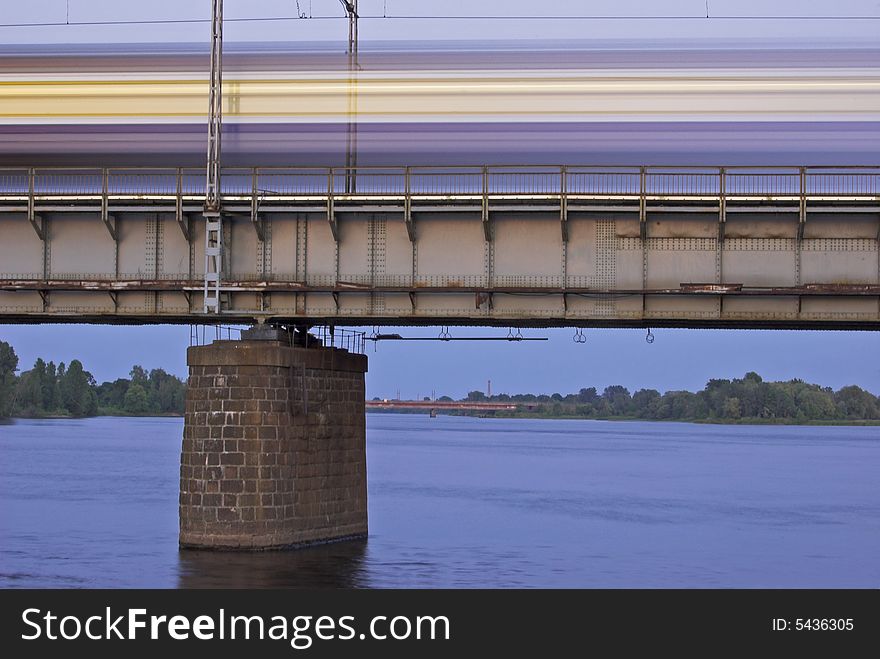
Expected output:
(273, 445)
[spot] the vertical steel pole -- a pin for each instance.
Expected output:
(212, 211)
(351, 8)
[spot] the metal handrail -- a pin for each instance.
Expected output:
(451, 181)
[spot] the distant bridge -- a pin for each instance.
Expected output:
(438, 405)
(507, 246)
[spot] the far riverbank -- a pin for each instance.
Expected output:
(719, 422)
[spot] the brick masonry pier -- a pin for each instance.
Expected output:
(273, 446)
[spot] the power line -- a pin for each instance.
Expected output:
(559, 17)
(380, 17)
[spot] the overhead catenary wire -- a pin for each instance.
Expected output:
(414, 17)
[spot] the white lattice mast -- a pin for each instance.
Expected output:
(212, 211)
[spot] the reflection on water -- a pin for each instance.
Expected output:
(335, 565)
(468, 503)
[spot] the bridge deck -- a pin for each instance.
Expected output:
(708, 247)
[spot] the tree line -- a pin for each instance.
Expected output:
(48, 390)
(70, 390)
(749, 398)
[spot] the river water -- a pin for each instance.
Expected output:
(467, 502)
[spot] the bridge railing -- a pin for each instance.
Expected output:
(142, 182)
(339, 337)
(67, 181)
(292, 181)
(763, 183)
(192, 182)
(677, 183)
(524, 181)
(367, 181)
(603, 182)
(14, 182)
(450, 182)
(845, 182)
(445, 181)
(236, 182)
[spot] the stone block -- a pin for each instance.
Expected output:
(274, 448)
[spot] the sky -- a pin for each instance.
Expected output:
(678, 359)
(690, 26)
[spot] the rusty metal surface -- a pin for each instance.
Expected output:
(175, 285)
(495, 246)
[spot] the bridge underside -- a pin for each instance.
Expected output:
(506, 259)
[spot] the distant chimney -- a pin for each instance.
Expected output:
(489, 389)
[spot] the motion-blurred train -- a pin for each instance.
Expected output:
(146, 105)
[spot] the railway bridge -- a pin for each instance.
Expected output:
(529, 246)
(273, 452)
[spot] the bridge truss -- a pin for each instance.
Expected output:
(529, 246)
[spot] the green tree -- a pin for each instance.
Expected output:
(715, 394)
(139, 374)
(602, 407)
(780, 401)
(77, 388)
(50, 387)
(584, 410)
(732, 409)
(56, 386)
(618, 399)
(34, 393)
(816, 404)
(677, 405)
(136, 400)
(8, 366)
(112, 394)
(855, 403)
(37, 390)
(588, 395)
(166, 392)
(28, 395)
(645, 403)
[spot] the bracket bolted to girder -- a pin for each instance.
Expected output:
(407, 206)
(331, 209)
(257, 220)
(183, 220)
(108, 220)
(487, 226)
(36, 221)
(802, 204)
(563, 204)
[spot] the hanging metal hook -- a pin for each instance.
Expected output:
(649, 338)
